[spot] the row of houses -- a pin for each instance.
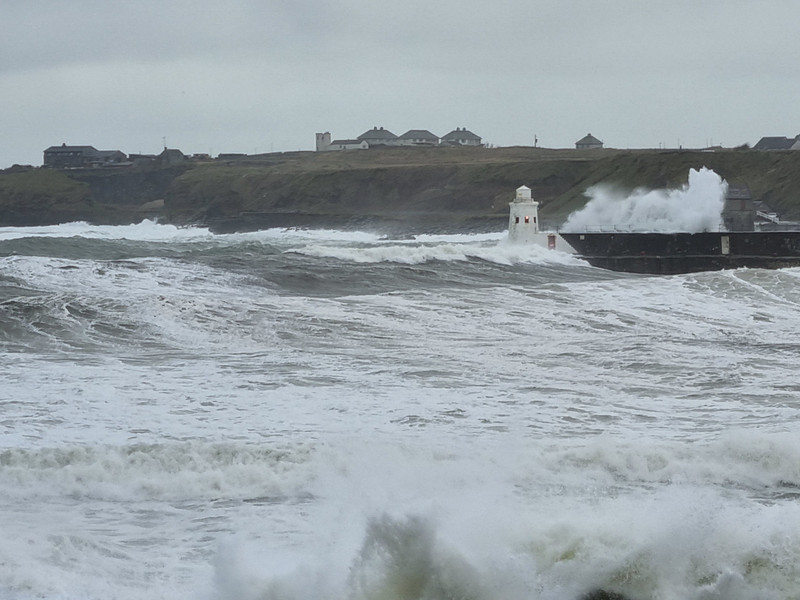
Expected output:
(378, 136)
(89, 157)
(77, 157)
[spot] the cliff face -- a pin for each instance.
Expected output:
(33, 197)
(456, 188)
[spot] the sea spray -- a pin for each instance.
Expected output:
(695, 207)
(403, 559)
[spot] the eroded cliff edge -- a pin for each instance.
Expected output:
(400, 188)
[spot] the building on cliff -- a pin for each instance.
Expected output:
(778, 143)
(380, 137)
(171, 156)
(460, 136)
(418, 137)
(81, 157)
(139, 160)
(324, 143)
(588, 142)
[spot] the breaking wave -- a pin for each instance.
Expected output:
(423, 249)
(678, 538)
(695, 207)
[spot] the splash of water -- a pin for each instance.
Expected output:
(695, 207)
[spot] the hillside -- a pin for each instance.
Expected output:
(418, 188)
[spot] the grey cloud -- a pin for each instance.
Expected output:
(269, 73)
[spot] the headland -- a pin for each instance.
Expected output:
(402, 189)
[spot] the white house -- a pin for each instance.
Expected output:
(418, 137)
(378, 136)
(348, 145)
(460, 136)
(324, 143)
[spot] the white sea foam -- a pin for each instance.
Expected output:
(353, 246)
(460, 238)
(146, 230)
(171, 429)
(475, 536)
(152, 231)
(442, 249)
(695, 207)
(292, 234)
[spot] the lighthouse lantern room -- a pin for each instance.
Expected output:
(523, 218)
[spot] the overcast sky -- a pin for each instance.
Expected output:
(259, 76)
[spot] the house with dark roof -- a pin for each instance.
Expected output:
(778, 143)
(588, 142)
(81, 157)
(171, 156)
(418, 137)
(139, 160)
(460, 136)
(378, 136)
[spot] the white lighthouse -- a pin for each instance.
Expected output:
(523, 224)
(523, 217)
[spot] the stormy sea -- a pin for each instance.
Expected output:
(319, 414)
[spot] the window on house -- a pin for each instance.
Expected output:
(516, 220)
(527, 219)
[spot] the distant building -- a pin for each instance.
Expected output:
(418, 137)
(171, 156)
(460, 136)
(141, 160)
(324, 143)
(778, 143)
(348, 145)
(81, 157)
(588, 142)
(378, 136)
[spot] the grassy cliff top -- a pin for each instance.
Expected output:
(471, 182)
